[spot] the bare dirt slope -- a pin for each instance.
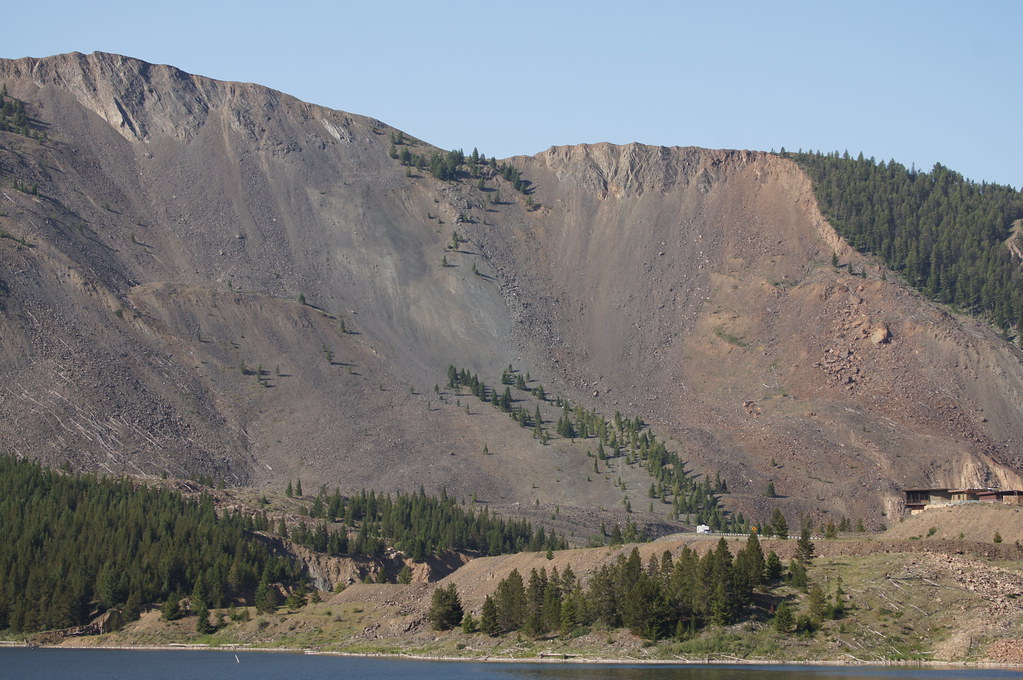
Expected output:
(152, 317)
(971, 521)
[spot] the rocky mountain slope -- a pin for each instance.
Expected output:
(210, 278)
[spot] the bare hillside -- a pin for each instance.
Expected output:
(210, 278)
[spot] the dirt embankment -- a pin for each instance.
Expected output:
(978, 522)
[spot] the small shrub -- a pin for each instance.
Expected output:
(806, 626)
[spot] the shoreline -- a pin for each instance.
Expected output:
(542, 658)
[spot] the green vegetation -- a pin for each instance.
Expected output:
(776, 526)
(454, 165)
(729, 337)
(76, 544)
(445, 608)
(416, 524)
(624, 439)
(4, 234)
(946, 235)
(514, 176)
(12, 114)
(668, 597)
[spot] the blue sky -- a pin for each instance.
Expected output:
(920, 82)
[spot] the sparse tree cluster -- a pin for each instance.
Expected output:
(514, 176)
(619, 439)
(450, 165)
(455, 165)
(13, 117)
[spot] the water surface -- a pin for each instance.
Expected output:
(106, 664)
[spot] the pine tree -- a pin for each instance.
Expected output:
(445, 608)
(171, 608)
(778, 523)
(831, 530)
(266, 598)
(817, 603)
(202, 622)
(804, 546)
(488, 618)
(405, 575)
(783, 618)
(838, 610)
(772, 567)
(511, 601)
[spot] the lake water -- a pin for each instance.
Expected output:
(100, 664)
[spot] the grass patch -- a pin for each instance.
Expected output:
(12, 237)
(736, 340)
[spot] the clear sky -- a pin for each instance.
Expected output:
(920, 82)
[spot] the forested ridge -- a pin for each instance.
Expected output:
(73, 546)
(944, 234)
(417, 524)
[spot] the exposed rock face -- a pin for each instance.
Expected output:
(151, 315)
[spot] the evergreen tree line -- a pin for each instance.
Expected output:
(778, 526)
(618, 536)
(621, 437)
(502, 401)
(944, 234)
(455, 165)
(417, 524)
(75, 545)
(12, 114)
(442, 165)
(514, 176)
(667, 597)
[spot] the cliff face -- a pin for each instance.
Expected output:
(152, 319)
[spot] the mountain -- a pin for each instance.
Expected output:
(211, 279)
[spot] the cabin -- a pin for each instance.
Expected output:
(918, 500)
(1010, 496)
